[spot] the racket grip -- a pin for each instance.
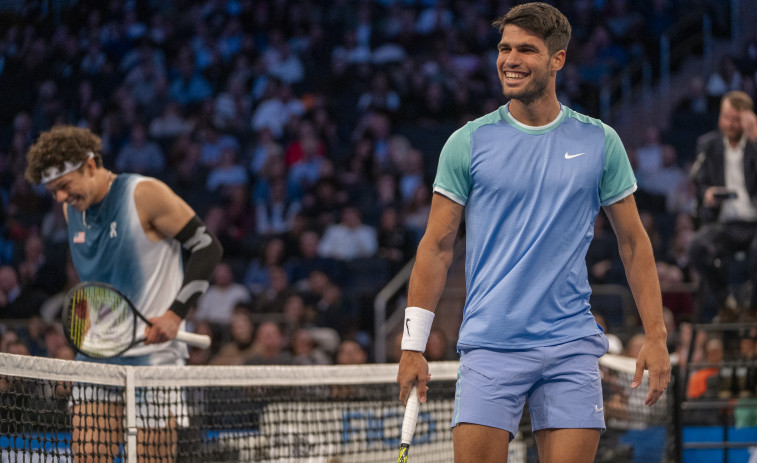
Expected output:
(411, 417)
(194, 339)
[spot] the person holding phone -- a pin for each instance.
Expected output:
(725, 177)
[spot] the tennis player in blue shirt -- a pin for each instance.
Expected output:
(529, 178)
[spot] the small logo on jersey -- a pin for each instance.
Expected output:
(598, 409)
(79, 238)
(113, 232)
(571, 156)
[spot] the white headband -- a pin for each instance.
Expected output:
(51, 173)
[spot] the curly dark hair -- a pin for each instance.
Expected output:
(58, 145)
(540, 19)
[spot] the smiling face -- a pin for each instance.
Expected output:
(525, 66)
(75, 189)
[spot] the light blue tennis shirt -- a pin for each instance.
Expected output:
(531, 196)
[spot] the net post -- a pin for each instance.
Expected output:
(131, 416)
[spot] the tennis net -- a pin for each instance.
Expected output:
(51, 410)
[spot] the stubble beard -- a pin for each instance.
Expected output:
(533, 91)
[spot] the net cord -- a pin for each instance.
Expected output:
(115, 375)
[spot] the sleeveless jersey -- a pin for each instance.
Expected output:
(531, 196)
(108, 244)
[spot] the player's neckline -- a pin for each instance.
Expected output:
(99, 206)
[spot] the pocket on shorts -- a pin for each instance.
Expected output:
(595, 344)
(466, 365)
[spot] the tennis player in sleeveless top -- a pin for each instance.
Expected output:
(126, 230)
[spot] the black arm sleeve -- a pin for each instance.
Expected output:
(205, 252)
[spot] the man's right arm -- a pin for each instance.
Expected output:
(427, 282)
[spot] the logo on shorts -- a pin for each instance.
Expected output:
(598, 409)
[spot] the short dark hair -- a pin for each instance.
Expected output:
(541, 19)
(61, 144)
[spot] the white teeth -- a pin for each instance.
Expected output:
(512, 75)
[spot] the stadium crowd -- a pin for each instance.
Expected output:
(305, 134)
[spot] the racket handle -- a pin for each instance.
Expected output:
(194, 339)
(411, 417)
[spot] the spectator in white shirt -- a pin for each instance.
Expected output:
(217, 303)
(350, 238)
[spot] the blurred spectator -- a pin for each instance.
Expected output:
(725, 175)
(350, 353)
(212, 144)
(417, 210)
(411, 175)
(55, 341)
(350, 238)
(702, 383)
(726, 78)
(233, 107)
(227, 173)
(170, 123)
(268, 347)
(275, 112)
(37, 270)
(309, 260)
(189, 87)
(395, 242)
(7, 338)
(263, 149)
(305, 351)
(695, 100)
(218, 302)
(239, 348)
(380, 96)
(17, 301)
(322, 205)
(273, 296)
(665, 181)
(305, 171)
(257, 276)
(140, 155)
(277, 213)
(284, 64)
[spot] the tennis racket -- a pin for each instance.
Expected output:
(408, 424)
(100, 322)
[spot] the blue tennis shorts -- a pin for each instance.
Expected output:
(562, 383)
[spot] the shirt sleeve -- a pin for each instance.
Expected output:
(618, 180)
(453, 173)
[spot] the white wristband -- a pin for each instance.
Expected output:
(417, 327)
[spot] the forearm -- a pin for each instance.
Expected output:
(641, 272)
(429, 276)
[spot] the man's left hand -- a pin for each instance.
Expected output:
(653, 357)
(164, 328)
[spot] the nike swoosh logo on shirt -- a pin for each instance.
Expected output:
(571, 156)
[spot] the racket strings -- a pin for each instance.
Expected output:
(101, 322)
